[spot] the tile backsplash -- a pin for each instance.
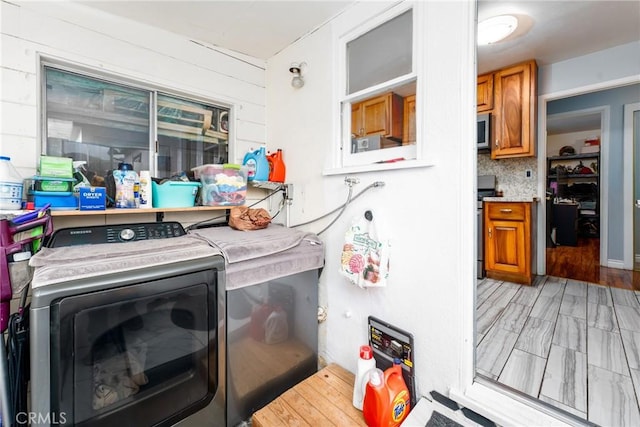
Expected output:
(511, 174)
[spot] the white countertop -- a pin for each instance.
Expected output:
(526, 199)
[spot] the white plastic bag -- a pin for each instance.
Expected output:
(365, 254)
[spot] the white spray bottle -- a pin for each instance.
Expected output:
(80, 179)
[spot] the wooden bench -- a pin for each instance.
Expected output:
(323, 399)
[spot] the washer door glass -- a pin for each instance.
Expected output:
(136, 352)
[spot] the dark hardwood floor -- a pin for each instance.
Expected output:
(582, 263)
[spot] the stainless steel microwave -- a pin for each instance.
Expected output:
(484, 131)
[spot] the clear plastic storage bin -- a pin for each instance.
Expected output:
(222, 185)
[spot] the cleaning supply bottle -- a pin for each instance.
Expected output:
(366, 363)
(125, 179)
(387, 399)
(80, 179)
(145, 190)
(376, 399)
(10, 185)
(258, 165)
(277, 169)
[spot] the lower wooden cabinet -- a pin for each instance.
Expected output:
(508, 237)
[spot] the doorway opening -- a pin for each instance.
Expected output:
(631, 137)
(574, 196)
(613, 266)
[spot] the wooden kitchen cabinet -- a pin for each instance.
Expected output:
(409, 119)
(381, 115)
(514, 113)
(485, 93)
(508, 241)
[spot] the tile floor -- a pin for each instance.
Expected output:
(572, 344)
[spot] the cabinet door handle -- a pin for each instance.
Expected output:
(490, 232)
(497, 143)
(506, 210)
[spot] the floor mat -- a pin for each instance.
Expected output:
(439, 420)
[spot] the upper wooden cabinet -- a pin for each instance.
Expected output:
(409, 128)
(485, 93)
(514, 113)
(381, 115)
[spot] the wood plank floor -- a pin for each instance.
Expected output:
(569, 343)
(582, 262)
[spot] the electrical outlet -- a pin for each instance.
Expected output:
(527, 173)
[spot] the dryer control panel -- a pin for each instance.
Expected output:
(118, 233)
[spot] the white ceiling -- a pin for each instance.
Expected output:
(258, 28)
(562, 123)
(553, 31)
(549, 31)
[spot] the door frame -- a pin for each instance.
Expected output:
(627, 138)
(541, 243)
(603, 170)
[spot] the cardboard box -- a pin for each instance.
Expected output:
(93, 198)
(590, 149)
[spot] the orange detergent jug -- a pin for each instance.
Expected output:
(277, 169)
(386, 400)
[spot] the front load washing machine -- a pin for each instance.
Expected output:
(127, 328)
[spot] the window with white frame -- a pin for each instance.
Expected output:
(103, 121)
(378, 95)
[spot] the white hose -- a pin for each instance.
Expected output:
(343, 206)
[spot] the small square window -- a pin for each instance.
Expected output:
(381, 54)
(379, 102)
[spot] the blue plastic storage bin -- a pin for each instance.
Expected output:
(59, 200)
(174, 194)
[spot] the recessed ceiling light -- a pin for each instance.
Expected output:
(494, 29)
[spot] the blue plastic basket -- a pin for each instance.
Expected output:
(59, 200)
(174, 194)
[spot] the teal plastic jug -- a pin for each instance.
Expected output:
(257, 164)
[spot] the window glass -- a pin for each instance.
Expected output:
(106, 123)
(96, 121)
(380, 54)
(379, 105)
(190, 134)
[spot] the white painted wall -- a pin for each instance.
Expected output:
(428, 213)
(617, 63)
(85, 36)
(574, 139)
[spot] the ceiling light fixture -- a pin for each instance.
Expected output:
(296, 69)
(497, 28)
